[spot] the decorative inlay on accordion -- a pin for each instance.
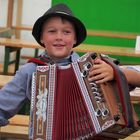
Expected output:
(66, 106)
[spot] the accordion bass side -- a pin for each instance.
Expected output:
(66, 106)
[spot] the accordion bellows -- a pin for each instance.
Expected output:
(66, 106)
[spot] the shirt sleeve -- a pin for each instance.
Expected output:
(14, 93)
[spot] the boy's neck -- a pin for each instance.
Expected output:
(63, 61)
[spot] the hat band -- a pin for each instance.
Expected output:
(62, 12)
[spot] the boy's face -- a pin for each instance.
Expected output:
(58, 36)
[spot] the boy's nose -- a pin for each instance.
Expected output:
(59, 35)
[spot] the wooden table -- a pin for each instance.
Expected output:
(112, 50)
(14, 45)
(19, 43)
(8, 32)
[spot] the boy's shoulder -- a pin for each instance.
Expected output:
(28, 68)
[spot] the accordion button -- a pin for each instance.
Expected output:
(93, 84)
(97, 94)
(98, 98)
(105, 112)
(87, 66)
(98, 112)
(93, 55)
(116, 117)
(84, 73)
(94, 89)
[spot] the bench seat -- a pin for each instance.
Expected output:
(17, 128)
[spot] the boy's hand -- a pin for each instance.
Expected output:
(101, 72)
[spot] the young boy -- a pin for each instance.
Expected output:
(58, 31)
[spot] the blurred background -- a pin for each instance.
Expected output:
(113, 23)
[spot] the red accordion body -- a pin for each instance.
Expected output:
(65, 106)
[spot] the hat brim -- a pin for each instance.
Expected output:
(79, 27)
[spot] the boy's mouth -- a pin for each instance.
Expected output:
(59, 45)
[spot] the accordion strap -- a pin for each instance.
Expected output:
(123, 89)
(37, 61)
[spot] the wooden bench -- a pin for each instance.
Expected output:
(112, 34)
(135, 95)
(14, 45)
(134, 136)
(5, 79)
(17, 128)
(7, 32)
(10, 71)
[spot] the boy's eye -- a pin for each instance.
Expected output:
(51, 31)
(67, 31)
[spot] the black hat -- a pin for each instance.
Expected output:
(63, 11)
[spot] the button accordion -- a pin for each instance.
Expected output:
(66, 106)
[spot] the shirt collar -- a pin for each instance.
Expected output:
(62, 62)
